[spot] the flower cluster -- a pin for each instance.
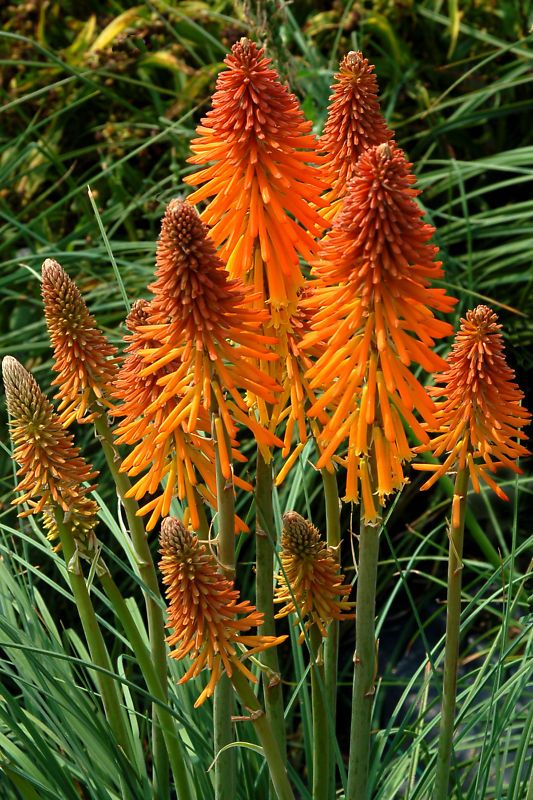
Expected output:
(262, 178)
(310, 582)
(354, 124)
(373, 304)
(198, 334)
(84, 360)
(479, 412)
(51, 469)
(209, 622)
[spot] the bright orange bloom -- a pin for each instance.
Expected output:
(183, 461)
(196, 335)
(479, 414)
(354, 124)
(261, 177)
(83, 358)
(310, 582)
(373, 306)
(51, 468)
(209, 623)
(205, 322)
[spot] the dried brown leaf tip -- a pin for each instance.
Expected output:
(310, 582)
(83, 358)
(209, 622)
(52, 472)
(479, 406)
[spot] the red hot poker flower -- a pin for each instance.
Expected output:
(51, 469)
(310, 581)
(209, 622)
(184, 460)
(210, 330)
(265, 190)
(479, 413)
(373, 306)
(83, 358)
(354, 124)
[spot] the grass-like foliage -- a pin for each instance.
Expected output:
(180, 472)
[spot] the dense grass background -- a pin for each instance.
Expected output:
(108, 95)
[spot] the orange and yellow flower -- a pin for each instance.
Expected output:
(51, 469)
(373, 305)
(479, 412)
(84, 360)
(263, 179)
(310, 582)
(354, 124)
(209, 622)
(197, 335)
(184, 461)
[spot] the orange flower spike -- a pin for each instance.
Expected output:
(354, 124)
(83, 358)
(374, 274)
(479, 413)
(184, 459)
(264, 186)
(211, 329)
(310, 582)
(51, 469)
(209, 622)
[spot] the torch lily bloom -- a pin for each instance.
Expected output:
(184, 461)
(373, 305)
(479, 414)
(261, 177)
(83, 358)
(206, 322)
(354, 124)
(209, 622)
(196, 335)
(51, 469)
(310, 582)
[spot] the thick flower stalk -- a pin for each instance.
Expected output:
(52, 473)
(353, 125)
(262, 180)
(209, 622)
(373, 304)
(196, 336)
(310, 583)
(84, 360)
(479, 412)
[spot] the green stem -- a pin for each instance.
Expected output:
(144, 660)
(148, 575)
(265, 539)
(321, 738)
(453, 623)
(331, 644)
(114, 710)
(364, 662)
(225, 766)
(265, 734)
